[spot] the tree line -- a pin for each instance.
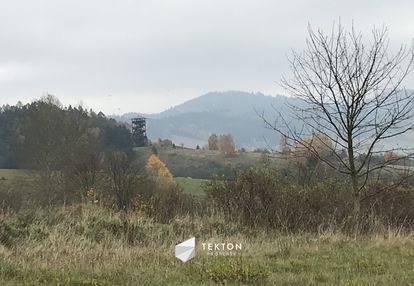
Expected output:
(62, 149)
(45, 135)
(73, 155)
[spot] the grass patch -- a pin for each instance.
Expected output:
(192, 186)
(88, 245)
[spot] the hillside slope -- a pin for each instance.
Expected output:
(233, 112)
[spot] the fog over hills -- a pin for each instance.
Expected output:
(234, 112)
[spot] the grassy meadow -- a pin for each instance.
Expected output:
(15, 178)
(208, 164)
(192, 186)
(89, 245)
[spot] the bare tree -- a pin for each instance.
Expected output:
(122, 177)
(350, 91)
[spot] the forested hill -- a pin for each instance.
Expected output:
(46, 135)
(234, 112)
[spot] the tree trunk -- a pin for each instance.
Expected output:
(355, 188)
(357, 204)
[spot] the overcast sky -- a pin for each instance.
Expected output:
(145, 56)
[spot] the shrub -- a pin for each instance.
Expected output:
(168, 201)
(11, 197)
(266, 197)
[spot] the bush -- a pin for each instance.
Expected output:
(267, 198)
(168, 201)
(11, 197)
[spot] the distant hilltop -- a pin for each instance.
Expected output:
(234, 112)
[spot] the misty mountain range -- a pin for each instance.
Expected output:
(234, 112)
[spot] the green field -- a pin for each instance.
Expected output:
(15, 178)
(12, 174)
(192, 186)
(207, 164)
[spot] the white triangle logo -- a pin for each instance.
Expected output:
(185, 250)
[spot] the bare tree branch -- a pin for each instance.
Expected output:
(351, 92)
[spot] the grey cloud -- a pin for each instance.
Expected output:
(120, 56)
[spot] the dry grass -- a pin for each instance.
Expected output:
(88, 245)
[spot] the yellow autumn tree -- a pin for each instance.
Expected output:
(226, 145)
(157, 169)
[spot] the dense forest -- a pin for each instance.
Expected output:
(44, 134)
